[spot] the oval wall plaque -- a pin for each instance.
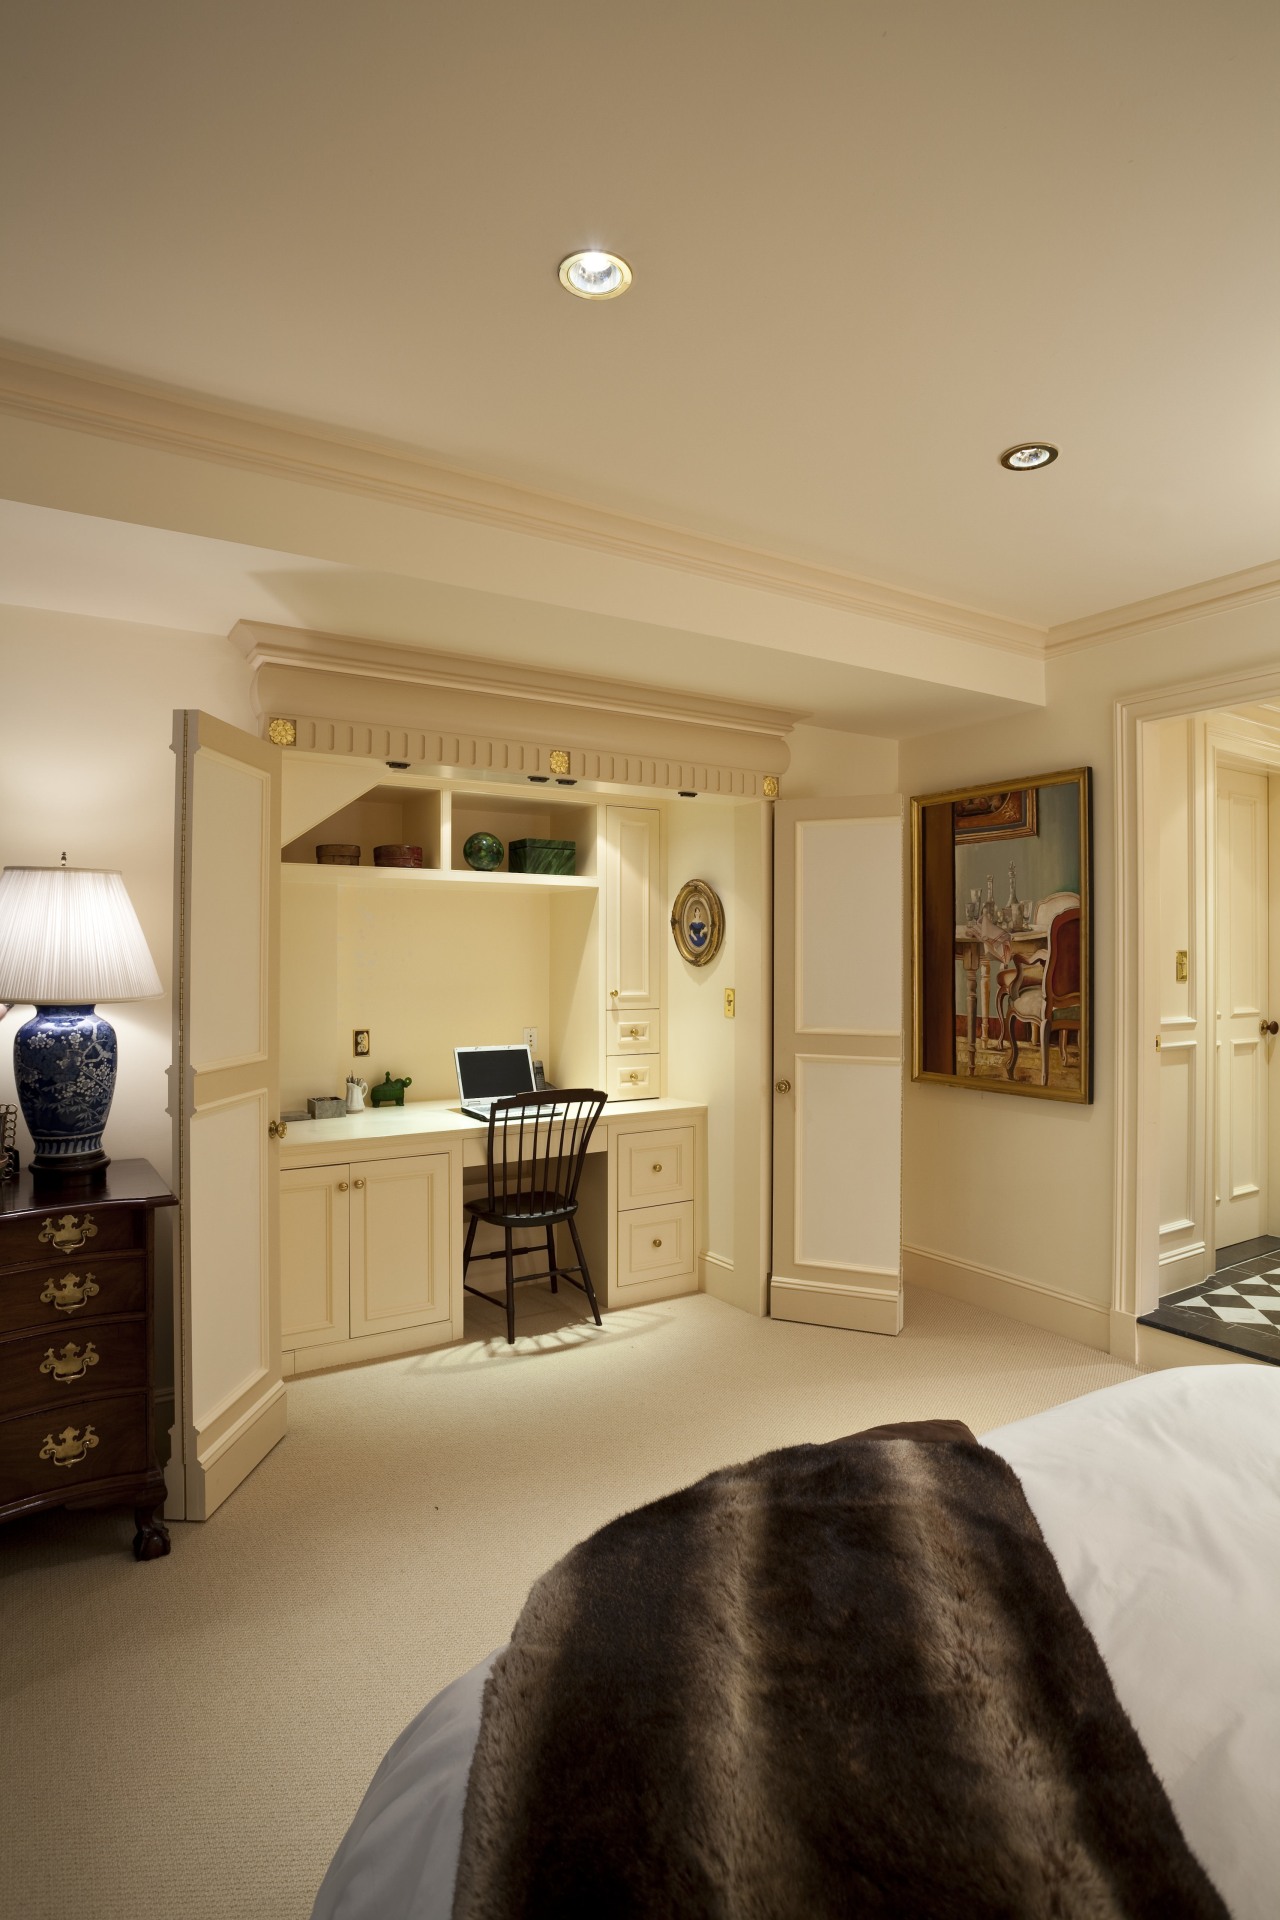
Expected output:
(697, 923)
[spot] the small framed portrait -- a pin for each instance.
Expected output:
(1002, 978)
(697, 923)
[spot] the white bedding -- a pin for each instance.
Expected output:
(1160, 1501)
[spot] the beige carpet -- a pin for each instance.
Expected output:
(187, 1740)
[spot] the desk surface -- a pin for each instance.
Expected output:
(441, 1120)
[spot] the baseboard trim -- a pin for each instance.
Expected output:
(826, 1303)
(236, 1455)
(1007, 1293)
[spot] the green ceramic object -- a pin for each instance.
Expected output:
(483, 851)
(543, 856)
(391, 1092)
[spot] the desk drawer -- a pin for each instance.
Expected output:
(87, 1441)
(634, 1032)
(655, 1243)
(656, 1167)
(68, 1232)
(41, 1371)
(72, 1292)
(629, 1077)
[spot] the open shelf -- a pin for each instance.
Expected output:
(296, 874)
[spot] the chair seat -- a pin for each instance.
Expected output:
(524, 1209)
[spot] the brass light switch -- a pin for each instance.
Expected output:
(728, 1003)
(1180, 964)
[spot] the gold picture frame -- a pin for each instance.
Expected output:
(697, 923)
(1002, 973)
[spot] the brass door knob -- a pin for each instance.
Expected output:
(613, 993)
(357, 1183)
(342, 1186)
(1271, 1026)
(277, 1129)
(784, 1086)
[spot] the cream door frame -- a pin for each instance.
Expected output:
(861, 1296)
(1227, 759)
(1135, 1268)
(228, 1388)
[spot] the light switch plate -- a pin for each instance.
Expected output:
(1180, 964)
(728, 1003)
(531, 1039)
(360, 1042)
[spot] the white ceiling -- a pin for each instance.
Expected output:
(114, 570)
(874, 243)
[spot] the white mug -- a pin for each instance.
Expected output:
(356, 1091)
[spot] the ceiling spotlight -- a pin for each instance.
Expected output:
(595, 276)
(1022, 459)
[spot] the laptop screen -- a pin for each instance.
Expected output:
(487, 1072)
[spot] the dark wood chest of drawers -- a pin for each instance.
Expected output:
(77, 1336)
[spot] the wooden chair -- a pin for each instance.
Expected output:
(536, 1146)
(1045, 992)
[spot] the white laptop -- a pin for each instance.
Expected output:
(486, 1074)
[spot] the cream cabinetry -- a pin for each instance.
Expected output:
(655, 1213)
(633, 951)
(365, 1253)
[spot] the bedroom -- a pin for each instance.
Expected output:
(194, 341)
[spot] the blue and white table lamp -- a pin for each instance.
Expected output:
(69, 937)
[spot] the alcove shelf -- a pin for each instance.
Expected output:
(296, 875)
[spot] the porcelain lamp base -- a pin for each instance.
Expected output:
(64, 1061)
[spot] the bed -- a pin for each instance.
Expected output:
(1160, 1502)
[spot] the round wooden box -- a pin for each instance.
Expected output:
(397, 856)
(337, 853)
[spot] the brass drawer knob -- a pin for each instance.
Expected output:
(70, 1447)
(357, 1183)
(657, 1243)
(342, 1186)
(70, 1293)
(70, 1364)
(635, 1033)
(70, 1232)
(657, 1167)
(277, 1129)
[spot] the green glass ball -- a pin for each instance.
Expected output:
(483, 851)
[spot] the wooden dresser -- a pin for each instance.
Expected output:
(77, 1425)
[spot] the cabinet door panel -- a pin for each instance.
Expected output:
(655, 1167)
(655, 1243)
(314, 1255)
(633, 914)
(399, 1242)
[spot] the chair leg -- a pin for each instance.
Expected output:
(551, 1258)
(473, 1223)
(511, 1290)
(572, 1225)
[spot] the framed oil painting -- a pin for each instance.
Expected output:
(1002, 973)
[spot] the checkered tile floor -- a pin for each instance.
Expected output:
(1236, 1307)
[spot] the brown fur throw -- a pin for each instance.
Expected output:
(842, 1680)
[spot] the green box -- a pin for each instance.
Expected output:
(542, 856)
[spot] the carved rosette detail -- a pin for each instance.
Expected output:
(770, 786)
(282, 733)
(558, 760)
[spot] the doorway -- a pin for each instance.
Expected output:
(1211, 831)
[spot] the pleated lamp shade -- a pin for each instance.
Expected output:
(69, 937)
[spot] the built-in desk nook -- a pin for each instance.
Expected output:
(371, 1223)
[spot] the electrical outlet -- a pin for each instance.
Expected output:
(531, 1039)
(728, 1003)
(360, 1042)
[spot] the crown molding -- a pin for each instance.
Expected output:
(86, 399)
(1167, 609)
(265, 644)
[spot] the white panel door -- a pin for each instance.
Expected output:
(223, 1091)
(838, 1028)
(1241, 989)
(633, 930)
(315, 1255)
(399, 1243)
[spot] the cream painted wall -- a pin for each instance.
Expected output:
(1024, 1189)
(825, 761)
(424, 971)
(85, 764)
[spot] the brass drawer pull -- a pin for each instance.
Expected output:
(70, 1364)
(70, 1293)
(633, 1076)
(342, 1186)
(357, 1183)
(657, 1167)
(70, 1447)
(70, 1233)
(657, 1243)
(635, 1033)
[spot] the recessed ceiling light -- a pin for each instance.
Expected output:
(1033, 453)
(595, 276)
